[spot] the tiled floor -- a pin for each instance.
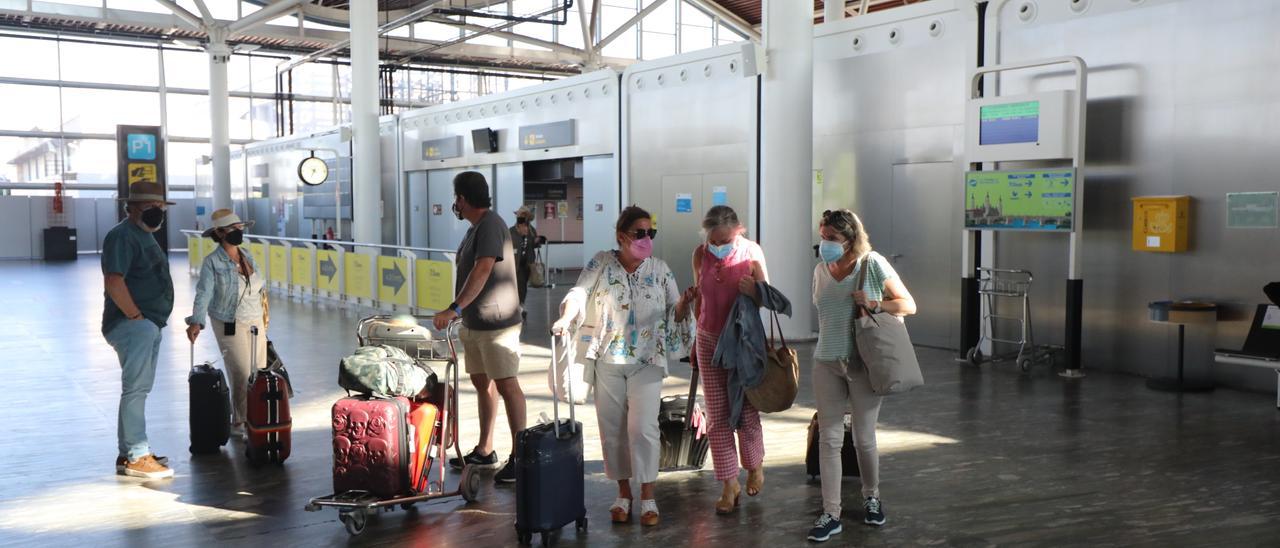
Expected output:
(978, 457)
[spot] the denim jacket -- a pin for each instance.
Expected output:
(217, 292)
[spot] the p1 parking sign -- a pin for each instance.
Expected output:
(141, 146)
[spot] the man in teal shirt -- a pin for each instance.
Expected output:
(139, 299)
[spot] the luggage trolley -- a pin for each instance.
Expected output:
(1002, 283)
(428, 346)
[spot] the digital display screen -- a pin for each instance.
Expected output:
(1009, 123)
(1020, 200)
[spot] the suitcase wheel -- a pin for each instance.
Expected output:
(353, 520)
(582, 523)
(524, 537)
(469, 484)
(549, 538)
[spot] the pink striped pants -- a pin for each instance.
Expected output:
(750, 437)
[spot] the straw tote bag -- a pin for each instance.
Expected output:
(781, 374)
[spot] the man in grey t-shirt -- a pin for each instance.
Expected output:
(488, 301)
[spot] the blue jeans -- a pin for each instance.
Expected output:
(137, 343)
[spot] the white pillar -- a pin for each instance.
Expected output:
(832, 10)
(219, 132)
(366, 170)
(786, 156)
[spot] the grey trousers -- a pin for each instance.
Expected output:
(837, 387)
(627, 402)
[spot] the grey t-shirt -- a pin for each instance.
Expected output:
(498, 305)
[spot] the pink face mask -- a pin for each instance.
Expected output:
(642, 249)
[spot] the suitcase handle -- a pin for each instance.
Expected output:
(693, 388)
(555, 402)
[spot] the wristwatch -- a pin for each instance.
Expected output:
(455, 308)
(878, 309)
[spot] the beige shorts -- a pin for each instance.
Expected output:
(495, 354)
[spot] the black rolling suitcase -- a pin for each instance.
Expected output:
(549, 474)
(682, 424)
(210, 402)
(848, 451)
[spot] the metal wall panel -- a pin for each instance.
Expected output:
(685, 117)
(889, 95)
(15, 225)
(86, 223)
(1181, 101)
(391, 180)
(599, 189)
(419, 208)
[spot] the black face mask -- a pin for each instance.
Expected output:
(235, 237)
(522, 221)
(153, 217)
(457, 211)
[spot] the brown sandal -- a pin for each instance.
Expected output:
(755, 481)
(724, 505)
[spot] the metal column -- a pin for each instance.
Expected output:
(366, 172)
(219, 132)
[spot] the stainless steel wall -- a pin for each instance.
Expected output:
(689, 125)
(282, 213)
(889, 95)
(1182, 100)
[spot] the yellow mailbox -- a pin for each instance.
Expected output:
(1160, 223)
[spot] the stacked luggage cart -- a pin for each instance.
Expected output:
(391, 451)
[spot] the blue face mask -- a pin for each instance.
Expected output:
(720, 251)
(830, 251)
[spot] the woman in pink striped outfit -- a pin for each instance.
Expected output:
(726, 265)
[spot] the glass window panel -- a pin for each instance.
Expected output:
(264, 74)
(693, 15)
(662, 19)
(311, 116)
(237, 73)
(263, 120)
(487, 40)
(186, 69)
(612, 18)
(89, 3)
(658, 45)
(571, 32)
(113, 64)
(313, 79)
(28, 107)
(188, 115)
(99, 111)
(39, 58)
(150, 6)
(435, 31)
(93, 160)
(182, 159)
(695, 38)
(728, 36)
(239, 118)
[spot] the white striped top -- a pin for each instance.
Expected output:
(834, 301)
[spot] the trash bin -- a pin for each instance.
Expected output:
(59, 244)
(1192, 370)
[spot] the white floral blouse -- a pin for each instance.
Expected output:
(629, 317)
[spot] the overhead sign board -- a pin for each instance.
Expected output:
(442, 149)
(549, 135)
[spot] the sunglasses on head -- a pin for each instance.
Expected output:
(641, 233)
(836, 218)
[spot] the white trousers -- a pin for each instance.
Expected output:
(237, 359)
(627, 402)
(838, 387)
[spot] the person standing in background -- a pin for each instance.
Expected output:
(139, 299)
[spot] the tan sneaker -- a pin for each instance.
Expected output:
(147, 467)
(121, 462)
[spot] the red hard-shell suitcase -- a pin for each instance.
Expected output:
(269, 423)
(371, 445)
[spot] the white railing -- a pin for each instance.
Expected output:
(414, 280)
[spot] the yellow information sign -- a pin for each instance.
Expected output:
(327, 265)
(435, 284)
(193, 251)
(303, 259)
(259, 253)
(359, 284)
(393, 280)
(142, 173)
(207, 247)
(279, 257)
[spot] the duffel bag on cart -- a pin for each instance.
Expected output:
(385, 371)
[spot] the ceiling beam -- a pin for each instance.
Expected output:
(728, 18)
(182, 13)
(263, 15)
(504, 35)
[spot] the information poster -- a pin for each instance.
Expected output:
(393, 280)
(1020, 200)
(435, 284)
(193, 251)
(1252, 209)
(358, 272)
(303, 259)
(720, 195)
(684, 203)
(279, 264)
(259, 254)
(327, 264)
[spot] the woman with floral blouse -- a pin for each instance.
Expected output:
(629, 319)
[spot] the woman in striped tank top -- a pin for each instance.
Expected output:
(839, 378)
(726, 265)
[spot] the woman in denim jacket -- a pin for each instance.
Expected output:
(231, 292)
